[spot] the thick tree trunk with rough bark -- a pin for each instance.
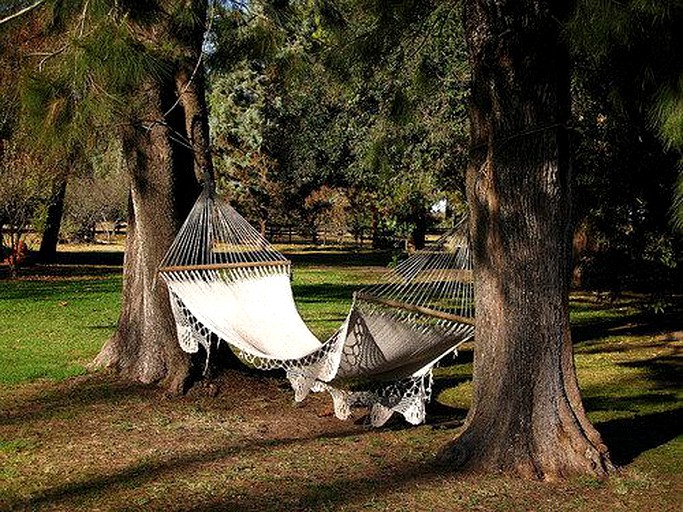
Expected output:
(526, 417)
(48, 243)
(163, 173)
(163, 187)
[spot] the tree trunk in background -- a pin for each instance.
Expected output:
(263, 227)
(418, 235)
(191, 86)
(374, 229)
(193, 100)
(48, 243)
(526, 417)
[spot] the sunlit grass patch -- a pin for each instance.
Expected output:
(54, 321)
(53, 328)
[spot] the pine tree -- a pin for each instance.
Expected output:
(526, 416)
(129, 70)
(638, 43)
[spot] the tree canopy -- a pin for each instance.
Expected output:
(366, 100)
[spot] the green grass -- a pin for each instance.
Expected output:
(53, 328)
(97, 443)
(323, 294)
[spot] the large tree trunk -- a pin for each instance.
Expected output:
(526, 416)
(160, 158)
(48, 243)
(163, 187)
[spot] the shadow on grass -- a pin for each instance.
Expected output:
(74, 396)
(58, 289)
(358, 492)
(90, 258)
(441, 416)
(78, 395)
(275, 492)
(635, 404)
(666, 371)
(643, 323)
(340, 258)
(442, 383)
(72, 264)
(628, 438)
(324, 292)
(151, 470)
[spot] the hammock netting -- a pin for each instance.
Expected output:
(226, 281)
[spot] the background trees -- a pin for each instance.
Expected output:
(24, 181)
(364, 99)
(370, 98)
(634, 45)
(24, 194)
(627, 102)
(96, 196)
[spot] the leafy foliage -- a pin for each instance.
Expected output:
(636, 45)
(360, 98)
(97, 193)
(24, 193)
(245, 169)
(79, 74)
(624, 175)
(90, 64)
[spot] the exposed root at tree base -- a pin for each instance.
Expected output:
(175, 381)
(470, 455)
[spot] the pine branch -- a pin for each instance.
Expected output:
(197, 65)
(83, 16)
(21, 12)
(47, 56)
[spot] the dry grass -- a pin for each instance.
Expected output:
(93, 443)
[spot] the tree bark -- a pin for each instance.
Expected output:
(418, 235)
(50, 239)
(374, 228)
(191, 87)
(163, 154)
(163, 187)
(526, 417)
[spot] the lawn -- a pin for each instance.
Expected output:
(72, 440)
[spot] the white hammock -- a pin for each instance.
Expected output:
(226, 280)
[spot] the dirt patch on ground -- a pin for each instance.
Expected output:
(97, 443)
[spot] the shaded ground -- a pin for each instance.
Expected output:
(91, 260)
(92, 442)
(95, 443)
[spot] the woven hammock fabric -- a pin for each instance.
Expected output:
(226, 280)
